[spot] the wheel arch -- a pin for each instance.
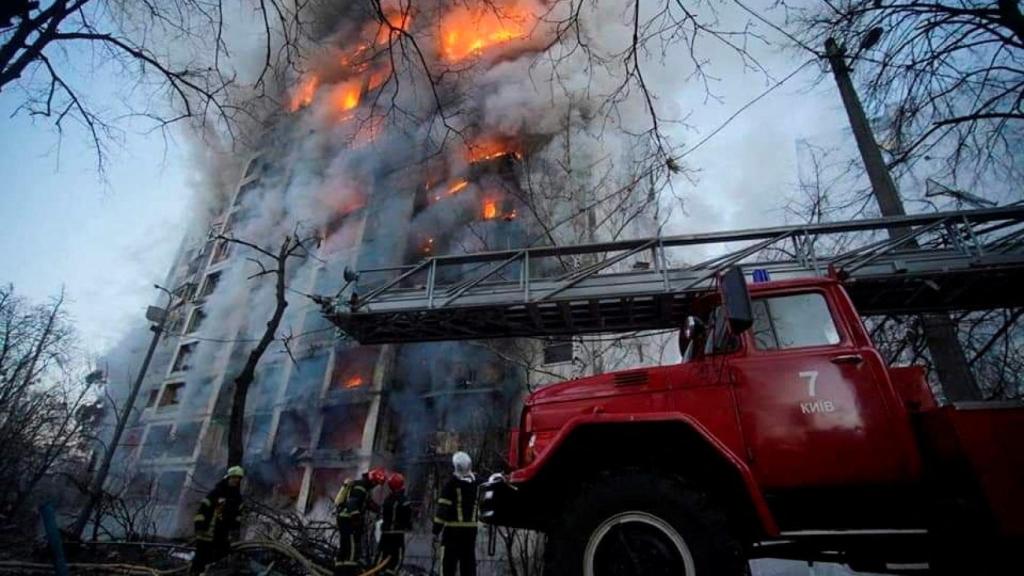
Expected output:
(674, 446)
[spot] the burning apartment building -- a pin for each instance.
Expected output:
(418, 129)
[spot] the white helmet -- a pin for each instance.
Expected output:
(463, 464)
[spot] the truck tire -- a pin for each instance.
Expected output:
(641, 524)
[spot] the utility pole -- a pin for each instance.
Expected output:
(159, 318)
(940, 333)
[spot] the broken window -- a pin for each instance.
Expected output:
(168, 487)
(196, 320)
(181, 361)
(558, 350)
(293, 435)
(353, 367)
(342, 428)
(172, 394)
(463, 374)
(209, 285)
(151, 401)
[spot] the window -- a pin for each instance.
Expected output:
(182, 442)
(186, 291)
(793, 322)
(195, 320)
(174, 323)
(196, 262)
(172, 394)
(156, 441)
(558, 350)
(151, 401)
(181, 362)
(210, 284)
(221, 251)
(258, 432)
(140, 486)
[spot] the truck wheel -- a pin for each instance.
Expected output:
(634, 523)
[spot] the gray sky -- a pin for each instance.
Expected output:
(108, 243)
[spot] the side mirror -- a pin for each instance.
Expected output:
(736, 300)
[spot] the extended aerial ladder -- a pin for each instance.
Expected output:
(963, 260)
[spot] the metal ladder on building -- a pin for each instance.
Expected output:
(966, 260)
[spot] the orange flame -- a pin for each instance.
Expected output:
(355, 59)
(348, 96)
(457, 186)
(353, 382)
(304, 92)
(345, 97)
(467, 32)
(396, 20)
(490, 209)
(491, 148)
(429, 246)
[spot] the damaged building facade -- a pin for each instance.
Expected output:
(326, 408)
(377, 178)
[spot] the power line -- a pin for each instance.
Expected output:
(743, 108)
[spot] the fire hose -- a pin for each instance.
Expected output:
(119, 568)
(249, 546)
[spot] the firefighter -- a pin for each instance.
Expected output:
(217, 520)
(396, 521)
(455, 521)
(352, 502)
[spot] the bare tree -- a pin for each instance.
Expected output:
(944, 77)
(831, 188)
(41, 397)
(275, 265)
(177, 53)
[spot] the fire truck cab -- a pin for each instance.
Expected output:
(782, 433)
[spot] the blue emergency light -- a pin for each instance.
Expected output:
(761, 275)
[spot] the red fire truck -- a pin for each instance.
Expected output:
(782, 433)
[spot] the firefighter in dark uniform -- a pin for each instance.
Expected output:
(351, 504)
(395, 522)
(455, 520)
(217, 520)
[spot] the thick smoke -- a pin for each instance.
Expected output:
(454, 127)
